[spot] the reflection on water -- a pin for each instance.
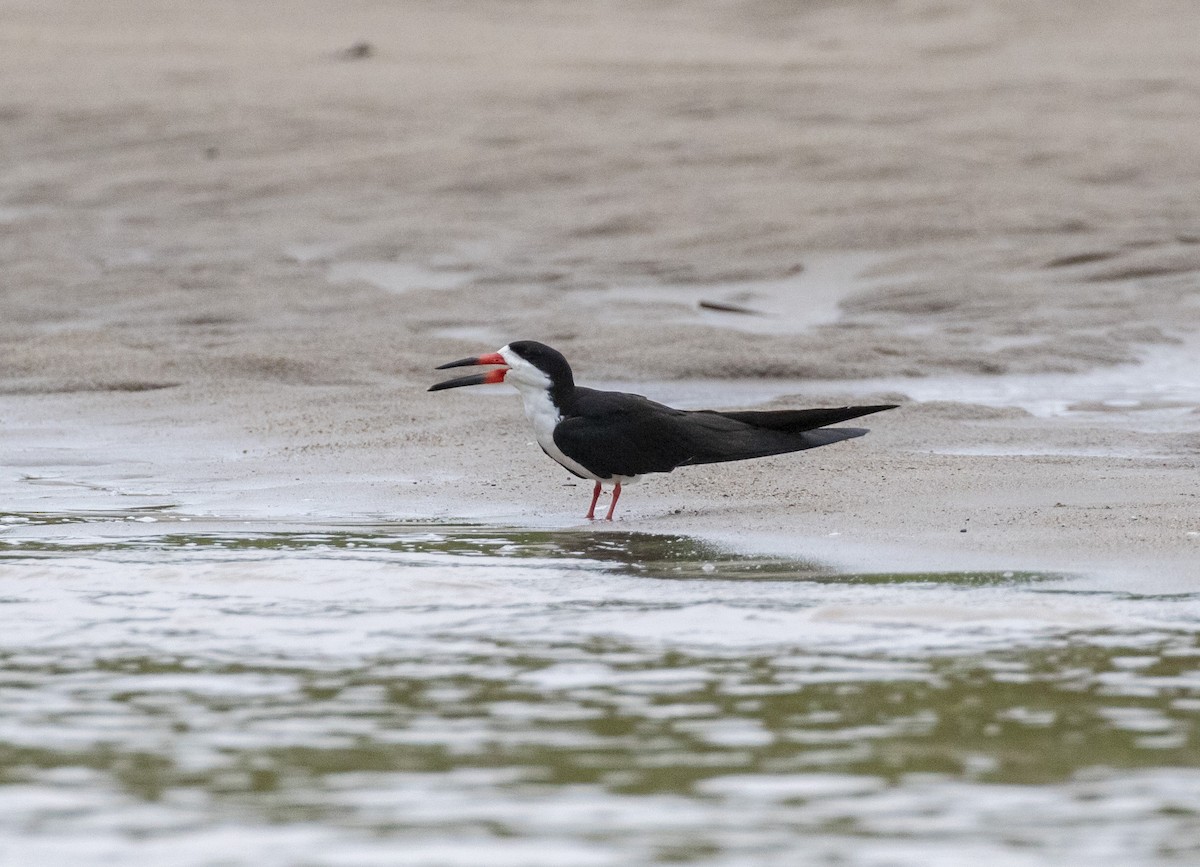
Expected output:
(192, 694)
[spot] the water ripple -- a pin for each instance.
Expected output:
(445, 695)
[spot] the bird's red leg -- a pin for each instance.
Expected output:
(591, 515)
(613, 503)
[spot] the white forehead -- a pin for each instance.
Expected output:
(521, 372)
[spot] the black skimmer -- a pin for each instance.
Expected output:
(615, 438)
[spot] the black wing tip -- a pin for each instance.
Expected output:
(860, 411)
(800, 420)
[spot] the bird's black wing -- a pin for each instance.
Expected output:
(747, 442)
(797, 420)
(628, 435)
(615, 434)
(716, 437)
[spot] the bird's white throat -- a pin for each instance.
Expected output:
(534, 387)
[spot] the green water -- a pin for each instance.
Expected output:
(219, 693)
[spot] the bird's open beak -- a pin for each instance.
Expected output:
(491, 376)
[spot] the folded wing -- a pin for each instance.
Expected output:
(630, 435)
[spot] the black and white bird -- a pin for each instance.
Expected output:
(615, 438)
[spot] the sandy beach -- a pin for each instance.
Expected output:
(266, 601)
(237, 237)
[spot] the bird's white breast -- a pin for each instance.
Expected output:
(544, 416)
(534, 388)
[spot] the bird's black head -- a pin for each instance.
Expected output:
(546, 359)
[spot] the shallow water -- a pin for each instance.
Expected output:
(179, 691)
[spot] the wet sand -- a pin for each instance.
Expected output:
(233, 250)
